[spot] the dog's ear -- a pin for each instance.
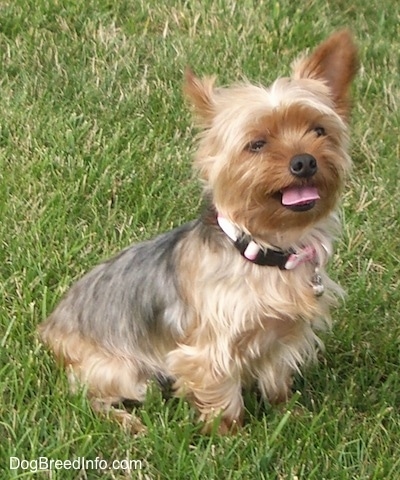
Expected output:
(200, 93)
(335, 62)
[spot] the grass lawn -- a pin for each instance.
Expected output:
(95, 152)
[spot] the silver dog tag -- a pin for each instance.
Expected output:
(316, 282)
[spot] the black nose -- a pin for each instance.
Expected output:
(303, 165)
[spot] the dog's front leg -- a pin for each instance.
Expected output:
(216, 393)
(275, 381)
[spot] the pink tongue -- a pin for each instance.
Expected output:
(299, 195)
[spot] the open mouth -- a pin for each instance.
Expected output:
(299, 198)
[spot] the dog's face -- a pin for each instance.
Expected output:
(275, 158)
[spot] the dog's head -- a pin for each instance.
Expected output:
(275, 158)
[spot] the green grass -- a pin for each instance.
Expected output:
(95, 149)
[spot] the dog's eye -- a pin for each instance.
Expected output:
(320, 131)
(256, 146)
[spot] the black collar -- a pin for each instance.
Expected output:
(265, 257)
(252, 251)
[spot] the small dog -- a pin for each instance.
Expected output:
(234, 298)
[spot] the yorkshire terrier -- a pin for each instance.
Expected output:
(235, 298)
